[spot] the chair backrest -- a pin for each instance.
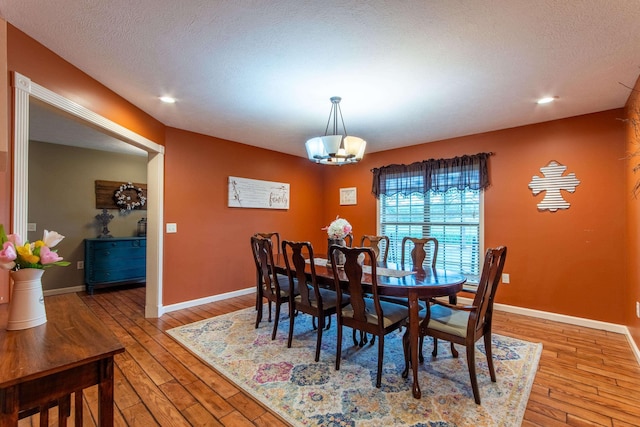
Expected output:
(353, 270)
(374, 242)
(296, 255)
(348, 239)
(419, 252)
(263, 255)
(491, 273)
(274, 237)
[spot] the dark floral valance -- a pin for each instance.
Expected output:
(440, 175)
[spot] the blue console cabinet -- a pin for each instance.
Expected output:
(114, 261)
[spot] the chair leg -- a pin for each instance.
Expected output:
(406, 347)
(434, 353)
(275, 322)
(454, 352)
(339, 347)
(277, 309)
(259, 314)
(471, 361)
(420, 355)
(319, 339)
(291, 324)
(380, 360)
(487, 350)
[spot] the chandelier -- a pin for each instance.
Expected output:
(333, 149)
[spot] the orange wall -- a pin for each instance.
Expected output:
(569, 262)
(42, 66)
(632, 293)
(210, 254)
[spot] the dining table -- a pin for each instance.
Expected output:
(406, 281)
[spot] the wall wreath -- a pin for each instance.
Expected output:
(124, 197)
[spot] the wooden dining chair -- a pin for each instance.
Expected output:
(465, 325)
(419, 253)
(311, 299)
(275, 243)
(275, 291)
(369, 315)
(374, 243)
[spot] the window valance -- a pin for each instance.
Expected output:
(440, 175)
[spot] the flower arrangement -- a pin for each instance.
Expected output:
(15, 254)
(338, 229)
(124, 201)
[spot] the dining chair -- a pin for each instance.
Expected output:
(374, 243)
(418, 252)
(465, 324)
(275, 242)
(348, 239)
(368, 315)
(311, 299)
(274, 290)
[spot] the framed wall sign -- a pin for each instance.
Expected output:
(348, 196)
(254, 193)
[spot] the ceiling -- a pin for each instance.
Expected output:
(261, 73)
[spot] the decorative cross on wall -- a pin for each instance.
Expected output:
(552, 183)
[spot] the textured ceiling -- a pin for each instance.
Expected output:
(262, 72)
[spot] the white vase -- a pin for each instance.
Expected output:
(26, 308)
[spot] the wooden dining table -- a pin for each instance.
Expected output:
(395, 280)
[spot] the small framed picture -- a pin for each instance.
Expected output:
(348, 196)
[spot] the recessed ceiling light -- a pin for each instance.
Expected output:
(547, 99)
(167, 99)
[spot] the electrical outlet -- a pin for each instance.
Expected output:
(80, 265)
(638, 309)
(505, 278)
(31, 226)
(172, 227)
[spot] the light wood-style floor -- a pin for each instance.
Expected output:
(586, 377)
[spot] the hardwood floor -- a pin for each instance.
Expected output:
(586, 377)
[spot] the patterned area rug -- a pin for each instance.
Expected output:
(305, 393)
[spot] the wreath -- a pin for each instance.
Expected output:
(123, 200)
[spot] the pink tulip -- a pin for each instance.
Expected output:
(8, 253)
(47, 256)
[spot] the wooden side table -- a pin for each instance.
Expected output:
(45, 364)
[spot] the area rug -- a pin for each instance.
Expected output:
(306, 393)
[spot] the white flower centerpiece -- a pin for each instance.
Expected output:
(337, 231)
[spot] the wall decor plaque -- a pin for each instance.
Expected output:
(254, 193)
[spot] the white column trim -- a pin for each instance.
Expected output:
(23, 89)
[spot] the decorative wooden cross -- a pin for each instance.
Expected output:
(104, 218)
(552, 183)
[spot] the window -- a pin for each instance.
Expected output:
(452, 217)
(435, 198)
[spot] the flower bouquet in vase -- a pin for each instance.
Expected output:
(27, 262)
(337, 231)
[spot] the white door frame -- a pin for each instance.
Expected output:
(23, 89)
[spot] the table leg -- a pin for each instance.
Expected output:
(414, 340)
(105, 394)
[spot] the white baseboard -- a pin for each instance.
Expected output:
(200, 301)
(571, 320)
(60, 291)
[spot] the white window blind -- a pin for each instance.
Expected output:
(452, 217)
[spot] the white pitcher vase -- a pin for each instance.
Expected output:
(26, 308)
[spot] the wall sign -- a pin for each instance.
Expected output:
(254, 193)
(551, 184)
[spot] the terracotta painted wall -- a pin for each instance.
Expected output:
(632, 293)
(211, 254)
(42, 66)
(569, 262)
(5, 172)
